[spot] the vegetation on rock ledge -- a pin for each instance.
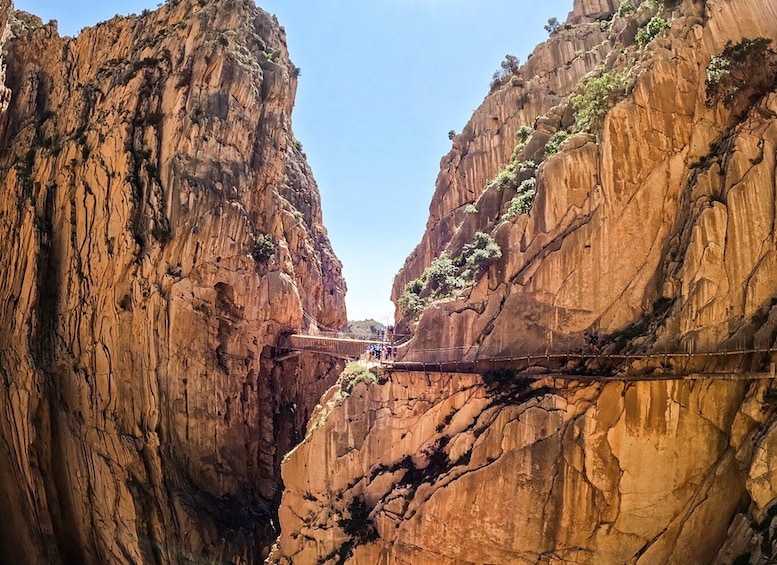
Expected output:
(445, 275)
(597, 96)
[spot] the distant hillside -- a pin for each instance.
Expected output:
(366, 329)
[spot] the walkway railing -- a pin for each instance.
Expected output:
(468, 360)
(335, 346)
(651, 365)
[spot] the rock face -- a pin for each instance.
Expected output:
(486, 142)
(660, 224)
(160, 230)
(440, 469)
(656, 227)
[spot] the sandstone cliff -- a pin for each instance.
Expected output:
(160, 229)
(655, 225)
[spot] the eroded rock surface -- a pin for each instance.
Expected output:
(658, 226)
(160, 230)
(486, 142)
(654, 226)
(439, 468)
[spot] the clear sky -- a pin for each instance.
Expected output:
(382, 83)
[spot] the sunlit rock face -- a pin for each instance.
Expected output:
(657, 228)
(439, 468)
(662, 219)
(486, 142)
(159, 229)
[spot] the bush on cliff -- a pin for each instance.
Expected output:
(356, 373)
(745, 69)
(650, 30)
(264, 248)
(444, 276)
(597, 95)
(510, 66)
(555, 141)
(521, 202)
(478, 255)
(625, 8)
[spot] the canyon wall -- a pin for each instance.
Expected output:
(657, 228)
(442, 469)
(160, 230)
(485, 143)
(654, 225)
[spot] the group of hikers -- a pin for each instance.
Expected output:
(381, 351)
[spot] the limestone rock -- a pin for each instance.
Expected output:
(657, 230)
(486, 142)
(438, 468)
(160, 232)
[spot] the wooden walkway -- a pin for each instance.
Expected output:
(342, 347)
(745, 363)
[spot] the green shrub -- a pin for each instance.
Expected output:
(597, 95)
(410, 301)
(441, 275)
(444, 275)
(357, 373)
(552, 26)
(520, 204)
(478, 255)
(517, 151)
(509, 66)
(504, 178)
(555, 141)
(526, 165)
(411, 304)
(470, 209)
(718, 69)
(523, 133)
(745, 67)
(625, 8)
(264, 248)
(650, 30)
(527, 185)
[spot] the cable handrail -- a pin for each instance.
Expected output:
(350, 345)
(467, 358)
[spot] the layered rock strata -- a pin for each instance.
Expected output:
(161, 229)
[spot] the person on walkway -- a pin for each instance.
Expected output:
(592, 341)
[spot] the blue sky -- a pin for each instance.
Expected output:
(382, 83)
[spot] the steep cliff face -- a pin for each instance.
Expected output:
(660, 223)
(653, 223)
(440, 469)
(486, 142)
(160, 231)
(6, 8)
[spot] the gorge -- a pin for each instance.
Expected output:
(162, 236)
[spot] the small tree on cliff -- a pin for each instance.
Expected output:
(552, 26)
